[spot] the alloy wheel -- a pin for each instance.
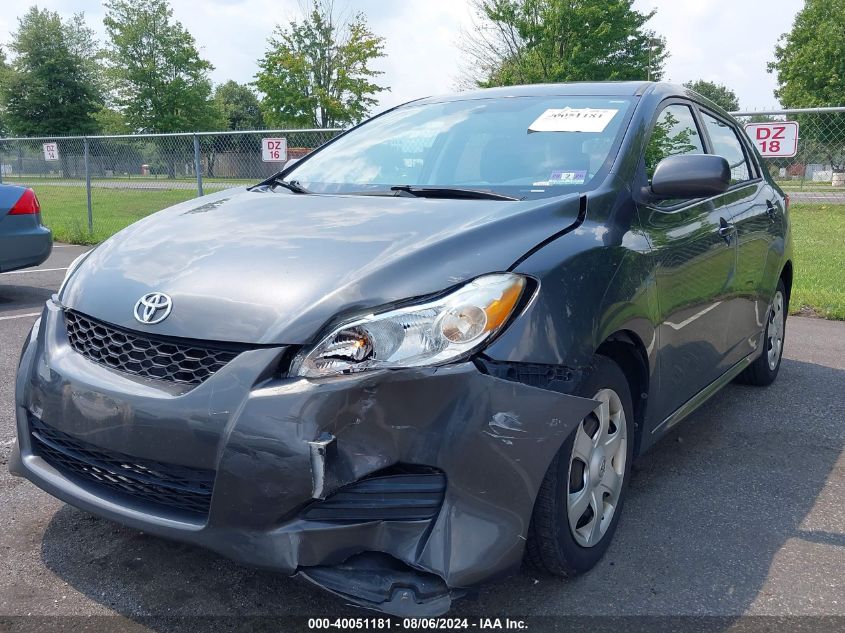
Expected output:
(597, 469)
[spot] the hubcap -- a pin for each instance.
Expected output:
(597, 469)
(774, 342)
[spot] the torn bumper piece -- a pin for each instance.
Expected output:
(377, 581)
(397, 490)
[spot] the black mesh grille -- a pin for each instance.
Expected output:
(135, 353)
(394, 496)
(171, 486)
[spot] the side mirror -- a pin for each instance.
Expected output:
(691, 176)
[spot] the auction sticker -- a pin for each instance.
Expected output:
(573, 120)
(564, 178)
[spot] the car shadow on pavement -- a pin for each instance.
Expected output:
(13, 297)
(710, 511)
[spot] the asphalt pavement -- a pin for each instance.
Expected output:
(740, 511)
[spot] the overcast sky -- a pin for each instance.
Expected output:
(729, 41)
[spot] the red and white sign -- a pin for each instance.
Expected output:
(274, 150)
(775, 138)
(51, 151)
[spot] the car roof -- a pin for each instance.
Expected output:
(580, 88)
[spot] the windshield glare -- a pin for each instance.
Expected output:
(481, 144)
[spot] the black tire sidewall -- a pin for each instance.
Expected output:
(763, 374)
(764, 357)
(602, 374)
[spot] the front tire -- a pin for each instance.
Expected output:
(580, 499)
(765, 368)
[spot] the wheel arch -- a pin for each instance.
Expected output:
(626, 349)
(786, 277)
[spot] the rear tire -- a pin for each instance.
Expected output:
(764, 370)
(567, 536)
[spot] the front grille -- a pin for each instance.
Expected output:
(166, 485)
(413, 495)
(159, 358)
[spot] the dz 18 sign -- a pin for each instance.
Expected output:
(274, 150)
(775, 139)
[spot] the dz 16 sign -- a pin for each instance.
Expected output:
(775, 139)
(51, 151)
(274, 150)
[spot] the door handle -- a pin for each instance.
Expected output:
(726, 230)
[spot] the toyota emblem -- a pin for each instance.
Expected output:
(153, 308)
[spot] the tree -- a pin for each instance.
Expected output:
(316, 71)
(111, 121)
(238, 106)
(536, 41)
(719, 94)
(53, 84)
(810, 67)
(160, 82)
(4, 70)
(238, 109)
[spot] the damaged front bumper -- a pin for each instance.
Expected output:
(396, 490)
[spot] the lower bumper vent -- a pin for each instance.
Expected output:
(170, 486)
(395, 495)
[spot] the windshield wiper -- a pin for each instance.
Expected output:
(451, 192)
(290, 185)
(276, 180)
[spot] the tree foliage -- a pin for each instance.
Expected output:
(160, 82)
(810, 68)
(810, 59)
(53, 84)
(238, 106)
(4, 70)
(536, 41)
(718, 93)
(317, 71)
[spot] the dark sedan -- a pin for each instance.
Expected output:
(427, 351)
(24, 240)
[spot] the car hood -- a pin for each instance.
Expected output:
(267, 267)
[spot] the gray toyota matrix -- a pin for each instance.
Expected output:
(426, 351)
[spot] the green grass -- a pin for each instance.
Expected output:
(32, 180)
(809, 185)
(65, 210)
(818, 232)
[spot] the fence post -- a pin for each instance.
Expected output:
(88, 185)
(197, 166)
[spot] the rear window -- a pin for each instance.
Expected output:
(525, 147)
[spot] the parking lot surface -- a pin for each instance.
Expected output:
(740, 511)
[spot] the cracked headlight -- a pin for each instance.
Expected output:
(431, 333)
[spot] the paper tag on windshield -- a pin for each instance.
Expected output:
(573, 120)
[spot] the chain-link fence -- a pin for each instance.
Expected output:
(91, 187)
(815, 170)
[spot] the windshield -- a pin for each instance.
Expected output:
(524, 147)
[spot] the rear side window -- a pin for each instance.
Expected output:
(727, 144)
(674, 133)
